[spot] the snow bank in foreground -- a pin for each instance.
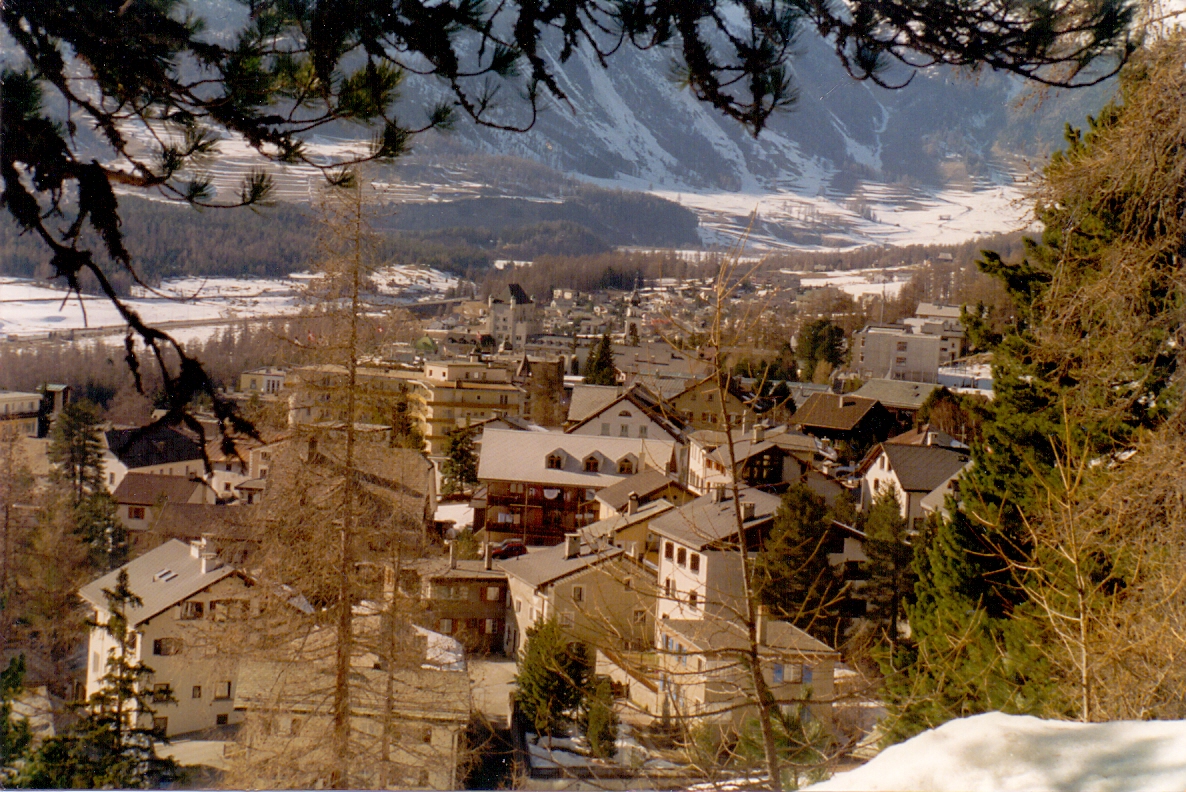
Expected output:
(996, 752)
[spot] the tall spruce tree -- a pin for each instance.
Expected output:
(16, 738)
(1089, 364)
(891, 574)
(459, 471)
(599, 366)
(76, 449)
(112, 743)
(552, 678)
(792, 574)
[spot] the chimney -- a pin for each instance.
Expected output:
(632, 503)
(759, 433)
(718, 493)
(747, 510)
(489, 556)
(763, 616)
(453, 554)
(572, 545)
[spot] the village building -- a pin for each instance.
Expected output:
(905, 352)
(764, 456)
(640, 489)
(152, 450)
(636, 412)
(698, 405)
(140, 497)
(598, 594)
(903, 399)
(264, 381)
(541, 485)
(843, 418)
(186, 591)
(912, 473)
(20, 410)
(511, 317)
(463, 598)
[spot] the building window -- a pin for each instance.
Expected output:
(445, 626)
(591, 464)
(668, 550)
(222, 691)
(624, 430)
(640, 616)
(166, 646)
(692, 600)
(493, 594)
(565, 619)
(807, 674)
(681, 557)
(160, 725)
(135, 512)
(694, 562)
(642, 432)
(899, 361)
(197, 692)
(161, 692)
(555, 461)
(626, 467)
(777, 673)
(605, 430)
(222, 719)
(667, 587)
(490, 626)
(518, 606)
(192, 610)
(578, 593)
(901, 346)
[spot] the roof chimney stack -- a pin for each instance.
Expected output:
(572, 545)
(747, 510)
(489, 556)
(759, 433)
(718, 493)
(762, 616)
(632, 503)
(453, 554)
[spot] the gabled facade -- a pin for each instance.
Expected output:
(634, 413)
(159, 451)
(913, 473)
(597, 592)
(512, 317)
(186, 592)
(699, 405)
(464, 599)
(542, 485)
(140, 497)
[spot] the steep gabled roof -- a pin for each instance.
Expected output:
(143, 489)
(645, 483)
(149, 446)
(645, 401)
(833, 411)
(705, 521)
(161, 578)
(513, 293)
(522, 456)
(541, 567)
(923, 468)
(898, 394)
(590, 399)
(717, 634)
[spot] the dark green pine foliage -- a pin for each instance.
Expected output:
(819, 342)
(16, 737)
(111, 743)
(76, 449)
(599, 367)
(97, 523)
(791, 573)
(970, 655)
(552, 679)
(601, 722)
(891, 574)
(459, 471)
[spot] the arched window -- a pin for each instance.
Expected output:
(555, 462)
(592, 465)
(625, 414)
(626, 467)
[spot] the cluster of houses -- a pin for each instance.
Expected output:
(635, 537)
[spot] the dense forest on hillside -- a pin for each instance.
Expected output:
(464, 237)
(962, 254)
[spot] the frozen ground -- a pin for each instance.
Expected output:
(1003, 753)
(31, 308)
(858, 283)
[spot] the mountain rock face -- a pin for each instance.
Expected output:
(633, 124)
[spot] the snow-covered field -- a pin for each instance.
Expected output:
(858, 283)
(30, 308)
(1003, 753)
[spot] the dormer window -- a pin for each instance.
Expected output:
(592, 464)
(555, 462)
(626, 467)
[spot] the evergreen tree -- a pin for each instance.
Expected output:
(76, 449)
(16, 738)
(599, 366)
(632, 338)
(98, 525)
(601, 722)
(891, 574)
(792, 574)
(819, 342)
(552, 677)
(459, 471)
(111, 744)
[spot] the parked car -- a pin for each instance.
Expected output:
(508, 548)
